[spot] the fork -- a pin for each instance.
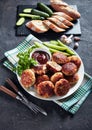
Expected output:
(12, 94)
(19, 96)
(28, 103)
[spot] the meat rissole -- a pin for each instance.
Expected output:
(53, 78)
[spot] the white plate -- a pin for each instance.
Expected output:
(33, 92)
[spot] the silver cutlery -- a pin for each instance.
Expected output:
(19, 96)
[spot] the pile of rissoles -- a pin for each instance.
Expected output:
(56, 77)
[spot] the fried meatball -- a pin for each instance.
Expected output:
(40, 70)
(59, 58)
(45, 89)
(73, 79)
(69, 68)
(27, 78)
(57, 76)
(61, 87)
(40, 79)
(53, 66)
(76, 60)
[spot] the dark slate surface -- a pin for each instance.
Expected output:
(14, 115)
(24, 31)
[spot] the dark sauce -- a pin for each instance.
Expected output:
(41, 56)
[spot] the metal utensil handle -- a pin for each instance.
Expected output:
(7, 91)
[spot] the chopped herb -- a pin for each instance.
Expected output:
(25, 61)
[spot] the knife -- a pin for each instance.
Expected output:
(31, 106)
(25, 100)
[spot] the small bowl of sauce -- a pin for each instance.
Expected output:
(41, 55)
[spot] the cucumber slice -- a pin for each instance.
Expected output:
(20, 21)
(27, 10)
(33, 17)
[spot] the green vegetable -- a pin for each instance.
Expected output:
(40, 13)
(20, 21)
(54, 42)
(37, 44)
(70, 51)
(25, 62)
(45, 8)
(33, 17)
(27, 10)
(54, 50)
(67, 48)
(54, 46)
(61, 44)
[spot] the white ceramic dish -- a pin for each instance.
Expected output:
(33, 92)
(43, 50)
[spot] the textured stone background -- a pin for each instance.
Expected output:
(15, 116)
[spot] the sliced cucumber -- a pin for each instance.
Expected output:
(37, 12)
(27, 10)
(33, 17)
(45, 8)
(20, 21)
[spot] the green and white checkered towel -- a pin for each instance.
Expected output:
(73, 102)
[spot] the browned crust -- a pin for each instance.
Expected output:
(64, 7)
(57, 76)
(60, 58)
(61, 87)
(45, 89)
(69, 68)
(27, 78)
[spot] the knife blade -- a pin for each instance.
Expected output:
(24, 100)
(40, 109)
(28, 103)
(31, 106)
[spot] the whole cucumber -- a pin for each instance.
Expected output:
(40, 13)
(45, 8)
